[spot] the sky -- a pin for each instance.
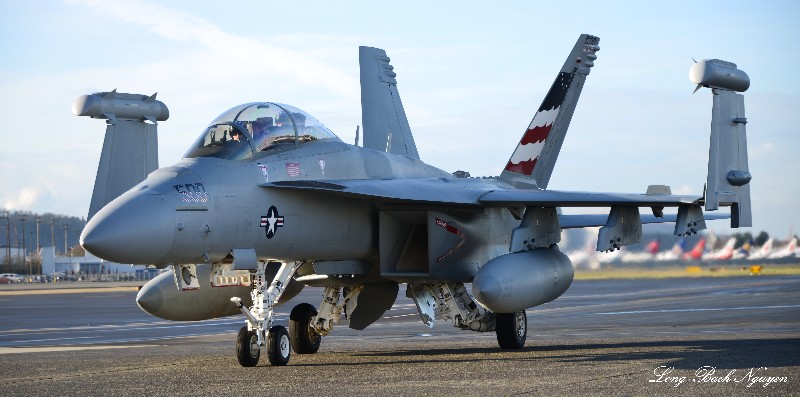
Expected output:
(471, 75)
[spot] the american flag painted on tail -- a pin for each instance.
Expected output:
(534, 158)
(523, 161)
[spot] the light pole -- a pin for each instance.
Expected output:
(53, 233)
(38, 221)
(8, 238)
(65, 238)
(24, 251)
(38, 247)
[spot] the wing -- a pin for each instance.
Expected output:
(622, 226)
(574, 221)
(477, 192)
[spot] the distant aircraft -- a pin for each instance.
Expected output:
(744, 250)
(725, 253)
(697, 252)
(788, 251)
(648, 254)
(653, 247)
(673, 254)
(764, 251)
(267, 200)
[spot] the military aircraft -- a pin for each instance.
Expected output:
(267, 200)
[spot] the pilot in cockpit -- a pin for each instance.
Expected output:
(260, 126)
(236, 135)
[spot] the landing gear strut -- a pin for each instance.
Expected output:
(259, 330)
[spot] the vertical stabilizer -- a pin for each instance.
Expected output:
(130, 148)
(385, 125)
(729, 177)
(532, 163)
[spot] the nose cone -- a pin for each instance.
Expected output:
(150, 298)
(487, 289)
(136, 228)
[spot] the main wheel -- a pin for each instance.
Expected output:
(511, 329)
(278, 347)
(247, 349)
(304, 339)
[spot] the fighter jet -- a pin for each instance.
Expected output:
(268, 200)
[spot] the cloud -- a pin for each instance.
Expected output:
(181, 26)
(24, 200)
(764, 149)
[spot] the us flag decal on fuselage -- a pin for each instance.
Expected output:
(293, 169)
(523, 161)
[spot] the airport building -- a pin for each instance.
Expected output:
(88, 264)
(13, 252)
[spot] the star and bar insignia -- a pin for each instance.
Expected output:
(271, 222)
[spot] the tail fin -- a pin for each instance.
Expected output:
(727, 251)
(653, 247)
(130, 148)
(698, 250)
(535, 156)
(728, 173)
(385, 124)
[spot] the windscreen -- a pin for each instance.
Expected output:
(254, 128)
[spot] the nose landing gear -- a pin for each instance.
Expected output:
(259, 329)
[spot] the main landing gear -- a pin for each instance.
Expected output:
(307, 326)
(304, 339)
(511, 329)
(452, 303)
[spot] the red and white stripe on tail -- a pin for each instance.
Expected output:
(534, 158)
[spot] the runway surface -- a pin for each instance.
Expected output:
(616, 337)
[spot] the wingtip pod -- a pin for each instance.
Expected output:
(114, 105)
(716, 73)
(728, 173)
(130, 148)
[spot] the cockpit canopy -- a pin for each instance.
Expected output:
(253, 128)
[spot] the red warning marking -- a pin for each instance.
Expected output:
(450, 228)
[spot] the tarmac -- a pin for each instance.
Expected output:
(681, 336)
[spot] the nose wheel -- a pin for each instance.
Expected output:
(259, 330)
(248, 352)
(278, 347)
(247, 349)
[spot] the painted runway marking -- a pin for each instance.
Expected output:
(707, 309)
(401, 315)
(17, 350)
(116, 328)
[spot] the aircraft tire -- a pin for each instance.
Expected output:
(304, 339)
(279, 349)
(511, 329)
(247, 349)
